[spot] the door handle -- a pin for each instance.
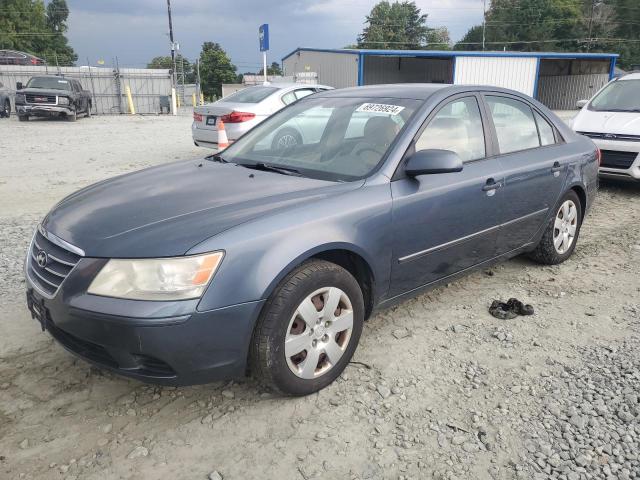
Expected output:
(556, 167)
(491, 185)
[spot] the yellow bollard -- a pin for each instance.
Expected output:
(132, 109)
(193, 99)
(202, 99)
(178, 100)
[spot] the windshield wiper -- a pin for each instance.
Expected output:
(271, 168)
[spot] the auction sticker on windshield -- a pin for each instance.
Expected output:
(380, 108)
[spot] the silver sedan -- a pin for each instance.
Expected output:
(243, 110)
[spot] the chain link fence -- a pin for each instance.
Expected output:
(107, 85)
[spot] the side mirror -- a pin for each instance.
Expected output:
(581, 103)
(425, 162)
(19, 86)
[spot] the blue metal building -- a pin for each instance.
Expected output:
(556, 79)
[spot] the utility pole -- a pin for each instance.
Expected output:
(484, 22)
(173, 60)
(199, 85)
(593, 6)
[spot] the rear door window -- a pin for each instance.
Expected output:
(514, 122)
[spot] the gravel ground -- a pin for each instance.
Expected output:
(437, 388)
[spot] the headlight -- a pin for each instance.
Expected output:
(179, 278)
(63, 101)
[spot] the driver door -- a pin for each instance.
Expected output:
(445, 223)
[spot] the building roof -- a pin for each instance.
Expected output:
(454, 53)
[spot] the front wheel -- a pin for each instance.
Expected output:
(309, 329)
(73, 116)
(286, 138)
(88, 112)
(561, 235)
(23, 118)
(6, 110)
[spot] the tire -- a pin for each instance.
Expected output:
(23, 118)
(72, 117)
(6, 110)
(88, 112)
(311, 285)
(553, 249)
(285, 138)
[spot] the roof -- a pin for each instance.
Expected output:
(454, 53)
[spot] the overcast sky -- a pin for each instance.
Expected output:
(137, 30)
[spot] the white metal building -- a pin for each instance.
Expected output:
(556, 79)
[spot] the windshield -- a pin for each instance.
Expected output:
(338, 139)
(250, 95)
(619, 96)
(52, 83)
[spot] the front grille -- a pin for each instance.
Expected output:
(59, 262)
(615, 159)
(612, 136)
(88, 350)
(31, 98)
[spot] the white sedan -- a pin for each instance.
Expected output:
(612, 120)
(246, 108)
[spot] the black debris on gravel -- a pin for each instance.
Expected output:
(511, 309)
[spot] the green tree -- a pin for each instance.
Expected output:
(58, 45)
(273, 69)
(627, 16)
(400, 25)
(181, 62)
(26, 25)
(215, 69)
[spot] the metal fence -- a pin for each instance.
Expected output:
(107, 85)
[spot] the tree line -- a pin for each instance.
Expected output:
(519, 25)
(29, 26)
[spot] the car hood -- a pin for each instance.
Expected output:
(626, 123)
(45, 91)
(164, 211)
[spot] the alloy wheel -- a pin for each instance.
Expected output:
(565, 226)
(319, 332)
(286, 141)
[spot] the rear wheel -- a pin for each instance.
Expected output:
(561, 235)
(6, 110)
(309, 329)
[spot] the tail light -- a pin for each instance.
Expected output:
(237, 117)
(599, 156)
(197, 117)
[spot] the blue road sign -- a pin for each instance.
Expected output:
(263, 35)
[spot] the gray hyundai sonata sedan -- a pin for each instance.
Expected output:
(266, 260)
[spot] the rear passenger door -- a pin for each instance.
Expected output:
(531, 153)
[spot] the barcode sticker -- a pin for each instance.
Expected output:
(380, 108)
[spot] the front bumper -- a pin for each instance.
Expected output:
(43, 110)
(168, 343)
(627, 148)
